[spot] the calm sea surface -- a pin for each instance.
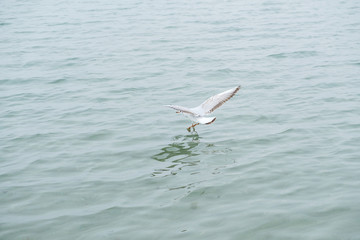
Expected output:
(87, 150)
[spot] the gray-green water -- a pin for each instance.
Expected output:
(89, 152)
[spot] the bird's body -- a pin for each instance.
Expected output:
(198, 114)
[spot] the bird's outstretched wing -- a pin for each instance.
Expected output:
(216, 101)
(181, 109)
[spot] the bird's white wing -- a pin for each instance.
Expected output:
(216, 101)
(181, 109)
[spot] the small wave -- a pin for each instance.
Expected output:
(297, 54)
(60, 80)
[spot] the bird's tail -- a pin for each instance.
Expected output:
(206, 120)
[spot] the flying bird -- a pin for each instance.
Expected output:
(197, 114)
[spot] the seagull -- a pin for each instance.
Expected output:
(197, 114)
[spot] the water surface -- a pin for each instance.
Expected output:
(89, 152)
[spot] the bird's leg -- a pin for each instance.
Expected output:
(192, 126)
(189, 129)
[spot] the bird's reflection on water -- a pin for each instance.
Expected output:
(180, 149)
(178, 152)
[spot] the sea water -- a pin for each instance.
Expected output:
(88, 151)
